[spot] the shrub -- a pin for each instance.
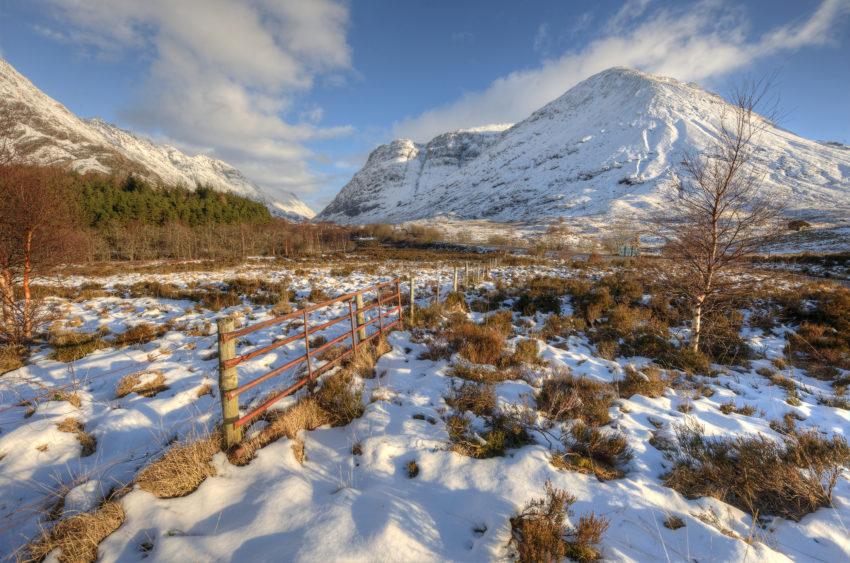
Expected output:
(11, 357)
(758, 475)
(412, 469)
(339, 398)
(455, 302)
(479, 399)
(562, 326)
(539, 532)
(649, 383)
(502, 321)
(78, 537)
(181, 470)
(502, 431)
(139, 334)
(526, 352)
(478, 344)
(590, 450)
(730, 407)
(566, 398)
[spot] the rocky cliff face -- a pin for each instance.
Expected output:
(607, 148)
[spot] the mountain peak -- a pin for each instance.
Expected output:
(607, 147)
(42, 130)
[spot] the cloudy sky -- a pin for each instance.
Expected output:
(296, 93)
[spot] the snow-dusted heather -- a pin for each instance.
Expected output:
(340, 506)
(46, 132)
(607, 147)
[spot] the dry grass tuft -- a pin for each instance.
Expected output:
(566, 398)
(143, 383)
(298, 450)
(730, 407)
(77, 538)
(181, 470)
(484, 374)
(304, 415)
(673, 522)
(539, 532)
(758, 475)
(88, 443)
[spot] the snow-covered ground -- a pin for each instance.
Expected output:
(341, 506)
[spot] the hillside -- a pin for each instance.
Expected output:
(606, 148)
(38, 129)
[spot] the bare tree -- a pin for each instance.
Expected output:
(716, 215)
(36, 231)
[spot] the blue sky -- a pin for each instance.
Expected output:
(296, 93)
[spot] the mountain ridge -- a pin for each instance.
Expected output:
(39, 129)
(607, 148)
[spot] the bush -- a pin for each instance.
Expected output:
(562, 326)
(502, 431)
(590, 450)
(478, 344)
(11, 357)
(758, 475)
(539, 533)
(526, 352)
(483, 374)
(649, 383)
(502, 321)
(339, 398)
(567, 398)
(479, 399)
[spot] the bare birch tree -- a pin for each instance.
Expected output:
(717, 216)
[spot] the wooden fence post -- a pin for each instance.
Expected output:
(361, 316)
(454, 282)
(412, 298)
(228, 379)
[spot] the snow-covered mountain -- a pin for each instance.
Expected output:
(606, 148)
(37, 128)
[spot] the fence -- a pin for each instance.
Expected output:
(357, 333)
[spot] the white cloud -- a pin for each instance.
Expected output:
(694, 43)
(226, 74)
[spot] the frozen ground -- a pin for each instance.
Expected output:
(340, 506)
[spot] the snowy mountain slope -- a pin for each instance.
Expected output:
(40, 129)
(607, 147)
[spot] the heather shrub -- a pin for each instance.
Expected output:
(539, 531)
(757, 474)
(591, 450)
(477, 398)
(567, 398)
(649, 382)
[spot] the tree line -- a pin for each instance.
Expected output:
(50, 216)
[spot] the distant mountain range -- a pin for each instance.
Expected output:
(39, 129)
(606, 149)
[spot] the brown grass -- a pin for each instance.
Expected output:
(88, 443)
(758, 475)
(304, 415)
(181, 470)
(77, 538)
(566, 398)
(730, 407)
(539, 532)
(483, 374)
(412, 469)
(133, 384)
